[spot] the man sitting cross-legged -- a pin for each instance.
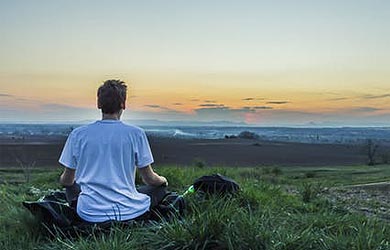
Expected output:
(100, 162)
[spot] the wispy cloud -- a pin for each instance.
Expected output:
(364, 97)
(338, 99)
(258, 107)
(221, 108)
(278, 102)
(155, 106)
(177, 103)
(220, 113)
(363, 110)
(18, 99)
(230, 114)
(16, 102)
(375, 96)
(194, 100)
(152, 106)
(210, 101)
(212, 105)
(159, 108)
(252, 99)
(5, 95)
(38, 110)
(55, 107)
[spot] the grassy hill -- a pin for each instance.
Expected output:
(278, 208)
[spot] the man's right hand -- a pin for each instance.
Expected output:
(165, 184)
(151, 178)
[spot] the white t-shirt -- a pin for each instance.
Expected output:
(105, 155)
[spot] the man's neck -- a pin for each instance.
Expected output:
(115, 116)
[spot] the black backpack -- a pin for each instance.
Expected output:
(54, 211)
(216, 184)
(172, 205)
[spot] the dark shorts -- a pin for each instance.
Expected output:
(156, 195)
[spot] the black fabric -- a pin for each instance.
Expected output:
(216, 184)
(72, 194)
(58, 209)
(53, 212)
(156, 194)
(171, 205)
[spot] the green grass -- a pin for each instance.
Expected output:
(266, 214)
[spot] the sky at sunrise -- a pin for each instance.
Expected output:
(271, 63)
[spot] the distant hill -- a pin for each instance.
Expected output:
(185, 123)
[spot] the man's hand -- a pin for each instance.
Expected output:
(67, 177)
(151, 178)
(165, 184)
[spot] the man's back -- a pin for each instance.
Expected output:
(104, 155)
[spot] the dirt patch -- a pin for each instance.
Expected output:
(370, 199)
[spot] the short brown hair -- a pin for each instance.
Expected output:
(111, 94)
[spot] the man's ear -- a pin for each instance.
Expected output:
(123, 105)
(99, 106)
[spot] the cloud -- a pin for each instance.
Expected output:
(210, 101)
(17, 99)
(267, 115)
(194, 100)
(152, 106)
(363, 110)
(252, 99)
(54, 108)
(159, 107)
(365, 97)
(338, 99)
(162, 114)
(15, 103)
(272, 117)
(40, 111)
(155, 106)
(212, 105)
(215, 108)
(258, 107)
(220, 113)
(214, 113)
(278, 102)
(375, 96)
(222, 108)
(177, 103)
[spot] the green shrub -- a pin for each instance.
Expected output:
(310, 174)
(276, 171)
(199, 163)
(309, 191)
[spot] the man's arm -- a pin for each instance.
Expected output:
(67, 177)
(151, 178)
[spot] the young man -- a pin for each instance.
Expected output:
(101, 159)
